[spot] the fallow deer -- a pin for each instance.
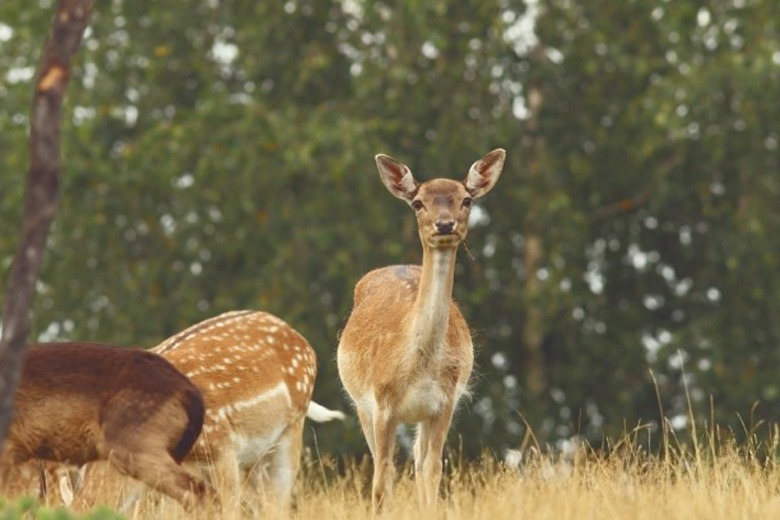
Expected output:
(81, 402)
(405, 354)
(256, 374)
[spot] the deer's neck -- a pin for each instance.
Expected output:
(431, 312)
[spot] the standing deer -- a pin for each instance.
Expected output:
(405, 354)
(256, 374)
(81, 402)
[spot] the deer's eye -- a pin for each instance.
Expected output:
(417, 205)
(467, 202)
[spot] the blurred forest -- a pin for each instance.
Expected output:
(218, 154)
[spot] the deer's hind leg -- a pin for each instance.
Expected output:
(284, 461)
(145, 451)
(227, 479)
(367, 425)
(159, 471)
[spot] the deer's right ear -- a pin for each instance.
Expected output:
(397, 177)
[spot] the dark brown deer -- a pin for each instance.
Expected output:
(81, 402)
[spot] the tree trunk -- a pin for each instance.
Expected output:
(533, 330)
(42, 193)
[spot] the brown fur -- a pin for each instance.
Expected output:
(383, 300)
(405, 355)
(80, 402)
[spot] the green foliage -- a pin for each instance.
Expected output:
(218, 155)
(28, 509)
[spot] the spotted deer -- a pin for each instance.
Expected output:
(256, 374)
(405, 354)
(81, 402)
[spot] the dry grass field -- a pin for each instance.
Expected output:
(705, 481)
(709, 479)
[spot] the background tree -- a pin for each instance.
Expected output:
(220, 157)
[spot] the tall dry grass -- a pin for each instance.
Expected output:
(709, 475)
(727, 481)
(705, 472)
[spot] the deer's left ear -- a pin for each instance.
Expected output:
(484, 173)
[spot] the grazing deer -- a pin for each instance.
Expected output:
(256, 374)
(81, 402)
(405, 354)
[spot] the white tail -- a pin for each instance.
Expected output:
(320, 414)
(405, 354)
(78, 402)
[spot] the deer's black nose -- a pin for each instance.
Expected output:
(445, 226)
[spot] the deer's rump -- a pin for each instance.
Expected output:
(72, 396)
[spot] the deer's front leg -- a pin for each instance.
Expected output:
(384, 442)
(439, 426)
(420, 453)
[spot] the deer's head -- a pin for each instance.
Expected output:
(442, 206)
